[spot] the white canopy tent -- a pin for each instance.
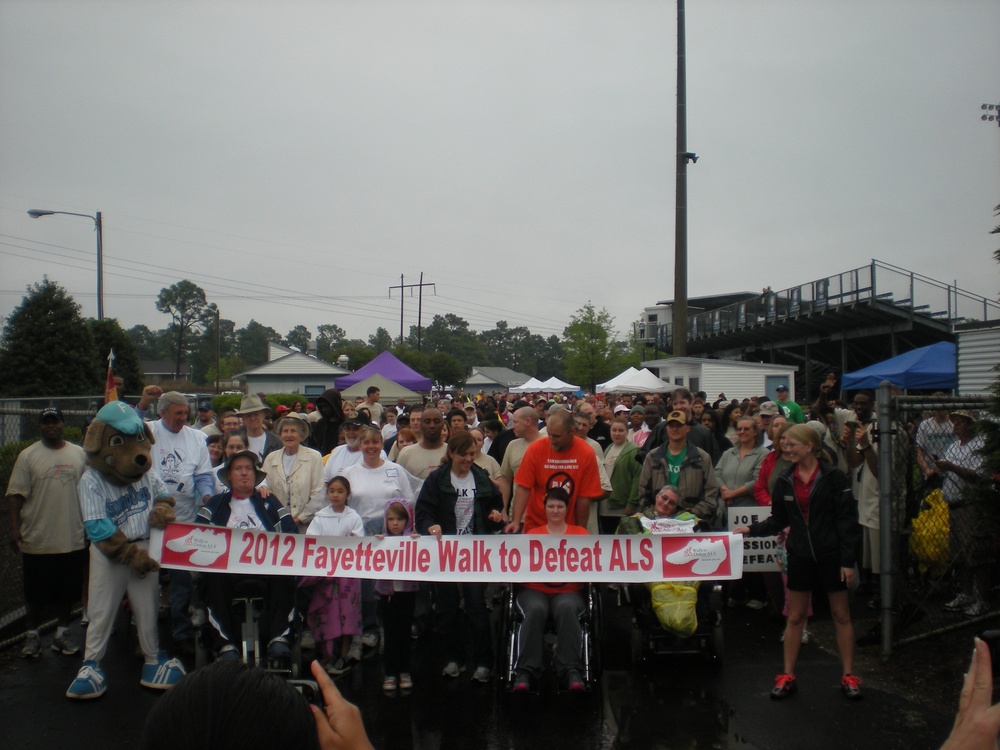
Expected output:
(533, 384)
(606, 387)
(555, 385)
(643, 381)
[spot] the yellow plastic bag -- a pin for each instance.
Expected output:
(929, 539)
(674, 603)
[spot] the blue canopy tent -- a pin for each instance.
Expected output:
(926, 368)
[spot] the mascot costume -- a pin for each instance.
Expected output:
(120, 500)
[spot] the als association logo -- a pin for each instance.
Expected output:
(563, 480)
(206, 548)
(705, 556)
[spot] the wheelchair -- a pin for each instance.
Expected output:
(651, 639)
(248, 605)
(509, 624)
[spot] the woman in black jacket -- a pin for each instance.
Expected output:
(459, 498)
(813, 499)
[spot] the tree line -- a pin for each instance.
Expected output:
(47, 348)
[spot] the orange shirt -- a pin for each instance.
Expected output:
(575, 470)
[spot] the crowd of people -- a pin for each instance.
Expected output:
(461, 464)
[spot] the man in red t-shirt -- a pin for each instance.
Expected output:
(563, 460)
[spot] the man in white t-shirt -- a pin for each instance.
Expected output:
(424, 457)
(47, 530)
(934, 435)
(371, 403)
(180, 459)
(525, 427)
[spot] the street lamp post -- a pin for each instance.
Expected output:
(99, 226)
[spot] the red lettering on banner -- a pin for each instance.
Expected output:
(245, 554)
(623, 560)
(446, 553)
(525, 558)
(286, 559)
(564, 558)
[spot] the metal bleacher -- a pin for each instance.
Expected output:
(844, 321)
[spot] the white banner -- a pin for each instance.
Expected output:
(511, 558)
(761, 554)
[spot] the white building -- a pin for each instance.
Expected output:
(714, 376)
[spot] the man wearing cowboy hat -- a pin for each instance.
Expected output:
(253, 410)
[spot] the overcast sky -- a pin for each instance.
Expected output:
(295, 158)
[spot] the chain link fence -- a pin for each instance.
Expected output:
(945, 530)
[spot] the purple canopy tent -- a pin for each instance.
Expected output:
(388, 366)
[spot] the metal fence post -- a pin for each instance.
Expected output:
(885, 430)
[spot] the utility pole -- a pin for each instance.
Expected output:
(680, 308)
(420, 305)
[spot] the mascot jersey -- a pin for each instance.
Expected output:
(126, 506)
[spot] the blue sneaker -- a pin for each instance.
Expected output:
(89, 682)
(164, 674)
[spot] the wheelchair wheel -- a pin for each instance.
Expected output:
(594, 634)
(506, 638)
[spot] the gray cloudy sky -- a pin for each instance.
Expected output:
(295, 158)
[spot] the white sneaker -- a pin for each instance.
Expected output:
(961, 601)
(198, 617)
(482, 674)
(306, 639)
(806, 636)
(756, 604)
(977, 608)
(354, 652)
(370, 639)
(452, 669)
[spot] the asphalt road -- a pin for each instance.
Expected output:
(677, 702)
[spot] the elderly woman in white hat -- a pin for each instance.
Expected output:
(295, 473)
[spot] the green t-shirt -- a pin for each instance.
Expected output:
(674, 465)
(792, 411)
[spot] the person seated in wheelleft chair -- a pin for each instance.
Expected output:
(563, 601)
(242, 507)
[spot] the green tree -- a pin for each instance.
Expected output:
(107, 336)
(328, 336)
(419, 361)
(381, 340)
(516, 348)
(187, 307)
(357, 352)
(252, 341)
(46, 349)
(451, 334)
(299, 337)
(150, 344)
(445, 370)
(548, 358)
(591, 347)
(203, 354)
